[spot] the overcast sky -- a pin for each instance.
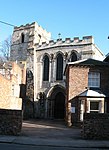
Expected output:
(71, 18)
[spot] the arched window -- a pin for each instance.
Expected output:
(29, 74)
(59, 69)
(46, 68)
(22, 38)
(73, 57)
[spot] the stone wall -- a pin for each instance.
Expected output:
(10, 102)
(10, 121)
(95, 126)
(28, 101)
(5, 87)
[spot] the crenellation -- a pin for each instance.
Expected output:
(22, 26)
(51, 42)
(67, 40)
(89, 39)
(34, 25)
(76, 39)
(44, 44)
(27, 25)
(59, 41)
(37, 45)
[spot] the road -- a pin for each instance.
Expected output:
(5, 146)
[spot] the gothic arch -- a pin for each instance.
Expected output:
(41, 57)
(59, 52)
(73, 56)
(50, 92)
(56, 102)
(29, 74)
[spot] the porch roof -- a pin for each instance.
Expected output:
(92, 93)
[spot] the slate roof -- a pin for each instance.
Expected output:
(92, 93)
(89, 62)
(107, 58)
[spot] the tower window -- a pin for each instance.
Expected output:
(59, 69)
(22, 38)
(46, 68)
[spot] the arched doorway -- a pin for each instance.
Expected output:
(56, 102)
(59, 106)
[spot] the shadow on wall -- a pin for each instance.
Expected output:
(28, 99)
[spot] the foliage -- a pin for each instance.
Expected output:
(5, 49)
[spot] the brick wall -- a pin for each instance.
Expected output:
(95, 126)
(10, 121)
(78, 80)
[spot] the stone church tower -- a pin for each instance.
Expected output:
(45, 62)
(24, 39)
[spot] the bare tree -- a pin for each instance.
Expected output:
(5, 48)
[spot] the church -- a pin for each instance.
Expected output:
(44, 92)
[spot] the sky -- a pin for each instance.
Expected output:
(71, 18)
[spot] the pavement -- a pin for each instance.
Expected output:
(52, 133)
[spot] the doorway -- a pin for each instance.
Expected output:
(59, 106)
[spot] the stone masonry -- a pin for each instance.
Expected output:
(10, 121)
(95, 126)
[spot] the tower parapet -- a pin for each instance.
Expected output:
(24, 38)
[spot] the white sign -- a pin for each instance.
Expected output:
(72, 109)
